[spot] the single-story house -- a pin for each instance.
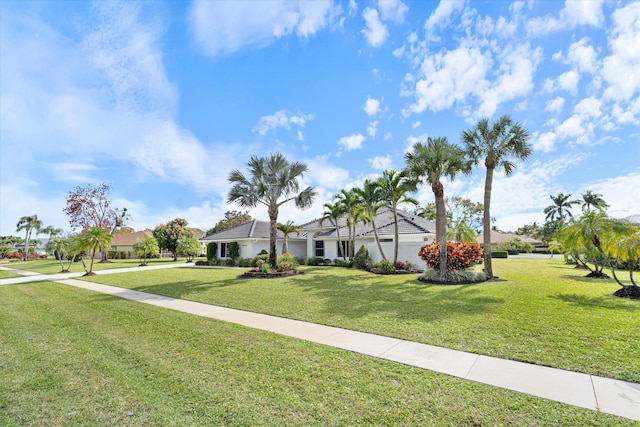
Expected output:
(319, 239)
(123, 242)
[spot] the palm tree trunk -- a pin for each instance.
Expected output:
(27, 238)
(441, 227)
(375, 233)
(486, 223)
(340, 251)
(273, 235)
(395, 236)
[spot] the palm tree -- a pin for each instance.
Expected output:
(146, 249)
(594, 230)
(628, 249)
(189, 247)
(590, 198)
(61, 247)
(371, 200)
(52, 232)
(287, 228)
(28, 223)
(333, 212)
(430, 162)
(350, 206)
(395, 186)
(273, 182)
(497, 144)
(560, 207)
(94, 239)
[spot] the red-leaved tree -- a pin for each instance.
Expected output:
(90, 206)
(460, 255)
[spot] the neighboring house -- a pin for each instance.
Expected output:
(319, 239)
(123, 242)
(499, 237)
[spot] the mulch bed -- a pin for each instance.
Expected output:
(271, 275)
(464, 282)
(632, 292)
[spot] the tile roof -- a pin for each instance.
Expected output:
(130, 239)
(249, 230)
(501, 237)
(407, 224)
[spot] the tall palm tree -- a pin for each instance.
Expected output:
(590, 198)
(273, 181)
(94, 239)
(560, 207)
(349, 200)
(29, 224)
(497, 144)
(288, 228)
(371, 200)
(395, 187)
(333, 212)
(52, 232)
(431, 162)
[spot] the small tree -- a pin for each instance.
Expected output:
(189, 247)
(61, 249)
(28, 223)
(170, 233)
(90, 206)
(233, 251)
(287, 228)
(93, 239)
(148, 248)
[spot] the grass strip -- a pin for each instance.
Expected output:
(74, 357)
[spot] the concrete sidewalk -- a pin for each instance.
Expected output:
(587, 391)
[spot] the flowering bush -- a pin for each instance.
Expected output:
(400, 265)
(286, 262)
(460, 255)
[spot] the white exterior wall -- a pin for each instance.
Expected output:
(407, 250)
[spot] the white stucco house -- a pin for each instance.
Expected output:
(319, 239)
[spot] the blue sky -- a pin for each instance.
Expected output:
(164, 99)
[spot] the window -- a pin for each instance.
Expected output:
(320, 248)
(223, 250)
(343, 248)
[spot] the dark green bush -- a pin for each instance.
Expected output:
(499, 254)
(362, 259)
(260, 259)
(387, 266)
(513, 251)
(233, 250)
(212, 251)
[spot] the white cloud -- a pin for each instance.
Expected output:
(441, 16)
(555, 105)
(589, 107)
(392, 10)
(583, 56)
(352, 142)
(573, 14)
(381, 162)
(620, 69)
(325, 174)
(371, 107)
(416, 124)
(281, 119)
(544, 142)
(372, 128)
(616, 190)
(375, 32)
(569, 81)
(227, 26)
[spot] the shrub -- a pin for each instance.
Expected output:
(460, 255)
(327, 261)
(408, 265)
(362, 259)
(344, 263)
(260, 258)
(233, 250)
(286, 262)
(212, 251)
(312, 261)
(499, 254)
(400, 265)
(513, 252)
(265, 267)
(459, 276)
(202, 263)
(387, 266)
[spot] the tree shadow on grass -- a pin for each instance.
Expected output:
(585, 279)
(350, 296)
(606, 301)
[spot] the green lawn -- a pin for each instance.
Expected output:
(545, 312)
(8, 274)
(74, 357)
(52, 266)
